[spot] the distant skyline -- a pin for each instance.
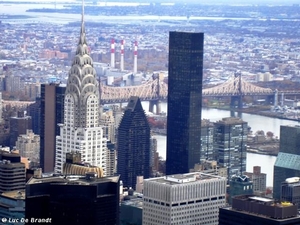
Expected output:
(229, 2)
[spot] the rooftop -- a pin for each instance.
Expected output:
(73, 179)
(185, 178)
(18, 194)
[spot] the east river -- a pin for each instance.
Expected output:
(256, 122)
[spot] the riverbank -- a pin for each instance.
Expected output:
(257, 110)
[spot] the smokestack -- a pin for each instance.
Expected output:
(135, 58)
(112, 54)
(122, 56)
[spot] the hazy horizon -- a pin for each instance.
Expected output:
(227, 2)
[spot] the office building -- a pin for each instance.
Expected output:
(287, 162)
(29, 146)
(207, 140)
(250, 209)
(184, 101)
(81, 130)
(12, 205)
(290, 191)
(259, 180)
(133, 144)
(131, 210)
(12, 172)
(230, 144)
(111, 164)
(239, 185)
(193, 198)
(108, 122)
(52, 112)
(18, 125)
(154, 157)
(34, 110)
(74, 200)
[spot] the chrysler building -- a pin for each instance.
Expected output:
(81, 130)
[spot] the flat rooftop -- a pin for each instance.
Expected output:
(185, 178)
(18, 194)
(72, 179)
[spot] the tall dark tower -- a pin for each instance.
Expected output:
(133, 144)
(184, 101)
(52, 109)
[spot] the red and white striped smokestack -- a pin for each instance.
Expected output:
(112, 54)
(122, 56)
(135, 58)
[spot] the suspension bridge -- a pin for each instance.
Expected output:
(156, 90)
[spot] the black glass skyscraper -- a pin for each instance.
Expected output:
(184, 101)
(133, 144)
(73, 200)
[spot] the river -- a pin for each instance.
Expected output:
(256, 122)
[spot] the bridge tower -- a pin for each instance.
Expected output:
(156, 102)
(237, 100)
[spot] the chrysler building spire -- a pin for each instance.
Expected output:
(82, 85)
(81, 130)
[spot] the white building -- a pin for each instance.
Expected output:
(189, 199)
(29, 146)
(81, 130)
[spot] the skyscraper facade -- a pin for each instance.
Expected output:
(133, 144)
(207, 140)
(184, 101)
(230, 143)
(52, 113)
(259, 180)
(81, 130)
(287, 162)
(29, 146)
(12, 172)
(18, 125)
(192, 198)
(73, 200)
(290, 191)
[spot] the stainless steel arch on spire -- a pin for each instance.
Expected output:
(82, 85)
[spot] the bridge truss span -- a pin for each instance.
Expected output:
(236, 86)
(154, 89)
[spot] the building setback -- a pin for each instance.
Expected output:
(184, 101)
(189, 199)
(133, 144)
